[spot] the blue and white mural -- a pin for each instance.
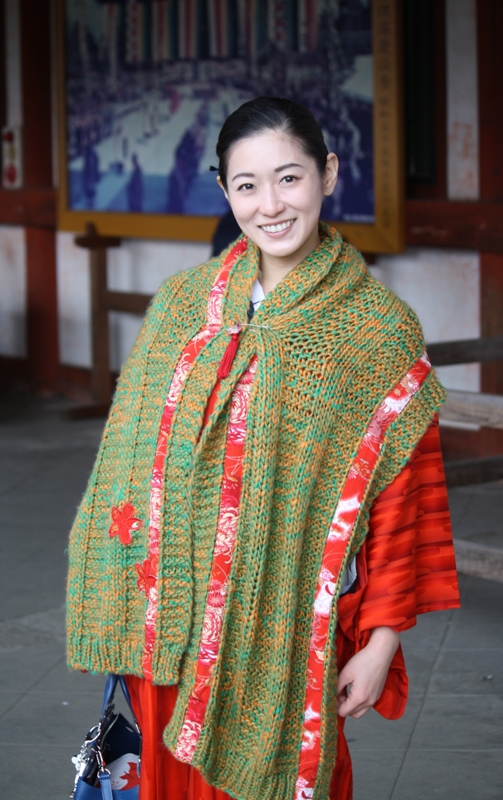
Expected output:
(150, 82)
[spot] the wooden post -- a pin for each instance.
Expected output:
(42, 314)
(101, 380)
(490, 65)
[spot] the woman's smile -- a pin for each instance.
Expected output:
(278, 227)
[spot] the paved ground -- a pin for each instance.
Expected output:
(448, 745)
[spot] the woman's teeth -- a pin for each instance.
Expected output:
(282, 226)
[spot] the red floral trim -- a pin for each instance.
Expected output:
(221, 566)
(147, 580)
(343, 521)
(124, 523)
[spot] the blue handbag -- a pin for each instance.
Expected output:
(112, 739)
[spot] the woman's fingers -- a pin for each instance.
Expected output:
(362, 680)
(357, 702)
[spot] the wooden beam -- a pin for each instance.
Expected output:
(479, 560)
(34, 207)
(42, 310)
(102, 386)
(36, 68)
(438, 122)
(131, 302)
(466, 351)
(460, 225)
(3, 67)
(92, 240)
(474, 470)
(474, 408)
(42, 313)
(489, 26)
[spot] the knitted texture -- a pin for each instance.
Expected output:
(331, 343)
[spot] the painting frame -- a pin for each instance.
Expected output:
(385, 234)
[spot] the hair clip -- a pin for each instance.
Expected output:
(213, 169)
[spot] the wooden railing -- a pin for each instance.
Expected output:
(475, 408)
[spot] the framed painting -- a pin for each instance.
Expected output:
(145, 85)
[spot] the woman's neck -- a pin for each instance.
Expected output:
(271, 274)
(273, 270)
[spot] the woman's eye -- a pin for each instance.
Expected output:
(245, 186)
(288, 179)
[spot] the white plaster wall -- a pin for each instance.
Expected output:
(462, 100)
(138, 266)
(443, 288)
(74, 308)
(12, 292)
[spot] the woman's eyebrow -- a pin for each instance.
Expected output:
(243, 175)
(278, 169)
(288, 166)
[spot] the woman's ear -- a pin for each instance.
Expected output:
(331, 172)
(219, 181)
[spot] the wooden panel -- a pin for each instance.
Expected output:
(491, 276)
(460, 225)
(36, 88)
(131, 302)
(437, 187)
(466, 351)
(490, 73)
(42, 311)
(474, 408)
(36, 207)
(476, 470)
(459, 443)
(30, 207)
(491, 292)
(13, 372)
(479, 560)
(3, 68)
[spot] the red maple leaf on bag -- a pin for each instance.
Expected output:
(124, 523)
(132, 778)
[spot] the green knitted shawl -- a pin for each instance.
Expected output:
(331, 343)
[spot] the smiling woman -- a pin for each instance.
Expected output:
(268, 509)
(275, 170)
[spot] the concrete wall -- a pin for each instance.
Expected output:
(442, 286)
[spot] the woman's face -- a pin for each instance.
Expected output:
(275, 191)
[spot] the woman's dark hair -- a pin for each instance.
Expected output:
(276, 114)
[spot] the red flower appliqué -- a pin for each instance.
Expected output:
(124, 523)
(147, 575)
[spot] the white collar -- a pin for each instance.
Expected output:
(257, 294)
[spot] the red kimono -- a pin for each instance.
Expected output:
(405, 567)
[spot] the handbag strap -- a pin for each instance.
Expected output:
(110, 687)
(106, 786)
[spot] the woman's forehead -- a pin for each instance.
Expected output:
(266, 148)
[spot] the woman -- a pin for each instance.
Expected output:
(268, 509)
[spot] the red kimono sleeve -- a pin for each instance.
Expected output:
(406, 565)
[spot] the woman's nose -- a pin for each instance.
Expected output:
(271, 203)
